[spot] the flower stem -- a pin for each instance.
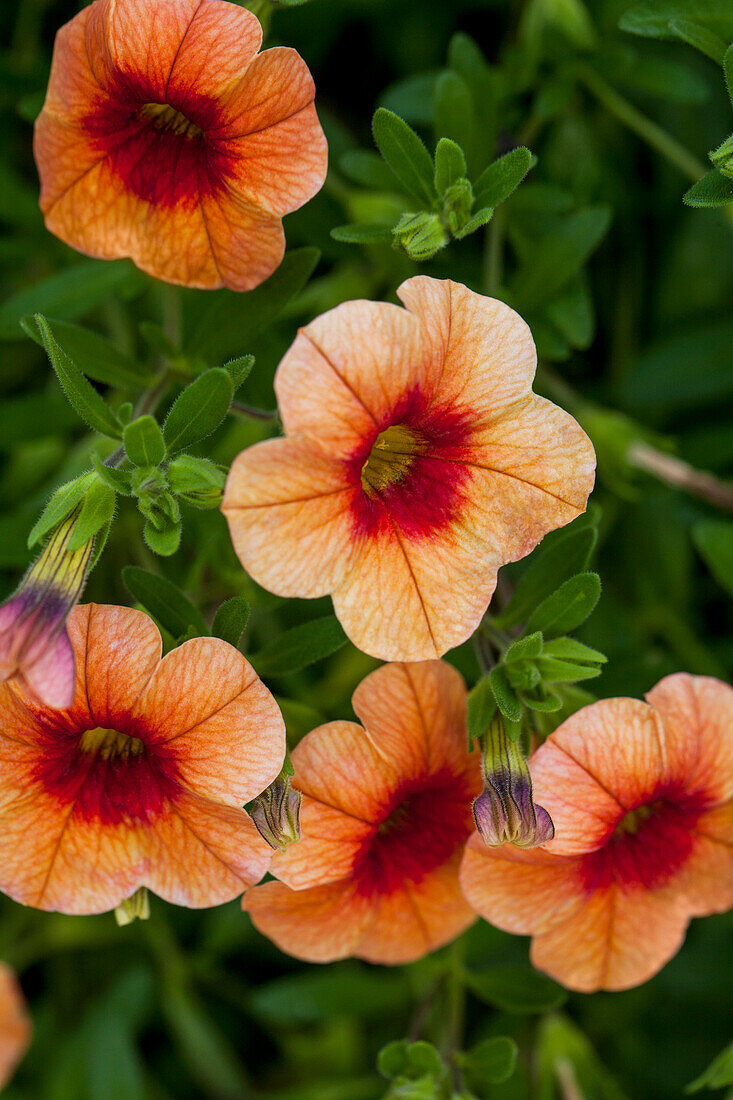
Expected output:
(680, 475)
(456, 990)
(642, 126)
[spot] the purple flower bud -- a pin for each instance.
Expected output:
(35, 649)
(504, 811)
(276, 813)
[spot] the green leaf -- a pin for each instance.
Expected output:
(204, 1051)
(574, 315)
(718, 1074)
(555, 670)
(573, 650)
(501, 178)
(728, 70)
(547, 701)
(524, 648)
(406, 155)
(412, 98)
(368, 169)
(300, 646)
(239, 370)
(163, 539)
(567, 555)
(491, 1062)
(198, 481)
(483, 217)
(652, 18)
(67, 295)
(561, 1043)
(481, 708)
(392, 1059)
(450, 164)
(516, 989)
(485, 84)
(455, 116)
(217, 325)
(119, 480)
(63, 501)
(144, 443)
(165, 601)
(714, 541)
(198, 410)
(365, 233)
(568, 607)
(506, 699)
(95, 356)
(231, 619)
(96, 511)
(699, 37)
(714, 189)
(80, 393)
(315, 996)
(559, 256)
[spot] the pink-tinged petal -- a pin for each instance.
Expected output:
(520, 890)
(417, 918)
(415, 716)
(270, 133)
(486, 350)
(289, 514)
(706, 879)
(330, 842)
(206, 713)
(318, 925)
(617, 940)
(52, 676)
(108, 640)
(424, 595)
(697, 712)
(15, 1025)
(604, 760)
(347, 371)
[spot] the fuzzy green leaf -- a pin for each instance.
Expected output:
(231, 619)
(406, 155)
(500, 179)
(713, 189)
(568, 607)
(144, 443)
(198, 410)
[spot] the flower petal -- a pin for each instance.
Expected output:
(486, 350)
(289, 513)
(15, 1024)
(707, 876)
(206, 712)
(246, 244)
(697, 712)
(331, 840)
(357, 362)
(318, 925)
(52, 676)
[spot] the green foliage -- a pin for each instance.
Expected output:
(299, 647)
(718, 1074)
(198, 410)
(516, 989)
(231, 619)
(490, 1062)
(165, 602)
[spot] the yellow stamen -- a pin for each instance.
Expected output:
(168, 119)
(631, 822)
(110, 744)
(391, 457)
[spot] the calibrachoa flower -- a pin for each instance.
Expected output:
(416, 461)
(385, 815)
(140, 782)
(641, 795)
(15, 1026)
(34, 645)
(164, 137)
(505, 811)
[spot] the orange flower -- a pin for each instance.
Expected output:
(140, 781)
(417, 461)
(164, 137)
(15, 1026)
(385, 815)
(642, 800)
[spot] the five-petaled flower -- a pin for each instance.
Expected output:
(164, 137)
(15, 1025)
(641, 795)
(140, 782)
(34, 644)
(416, 462)
(385, 816)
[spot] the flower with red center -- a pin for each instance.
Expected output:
(15, 1026)
(35, 649)
(641, 795)
(416, 462)
(140, 782)
(165, 137)
(385, 815)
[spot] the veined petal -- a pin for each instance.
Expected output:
(289, 513)
(15, 1024)
(317, 925)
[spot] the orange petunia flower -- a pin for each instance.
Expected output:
(641, 795)
(164, 137)
(15, 1025)
(385, 815)
(417, 461)
(140, 782)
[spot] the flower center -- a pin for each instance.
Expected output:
(168, 120)
(629, 825)
(110, 744)
(391, 456)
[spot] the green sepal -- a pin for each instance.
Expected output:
(61, 504)
(506, 699)
(481, 708)
(97, 509)
(163, 540)
(119, 480)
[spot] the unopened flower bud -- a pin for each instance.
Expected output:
(276, 813)
(136, 907)
(421, 235)
(34, 645)
(504, 811)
